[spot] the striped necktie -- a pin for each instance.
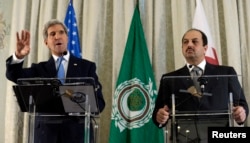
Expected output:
(60, 72)
(196, 72)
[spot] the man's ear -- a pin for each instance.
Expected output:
(45, 42)
(206, 46)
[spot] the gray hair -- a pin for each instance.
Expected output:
(50, 23)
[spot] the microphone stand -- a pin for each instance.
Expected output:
(203, 82)
(173, 120)
(192, 90)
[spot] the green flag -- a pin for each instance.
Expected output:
(135, 93)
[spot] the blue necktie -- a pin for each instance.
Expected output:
(61, 72)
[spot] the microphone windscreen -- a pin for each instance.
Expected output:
(64, 53)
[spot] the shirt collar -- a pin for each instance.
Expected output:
(200, 65)
(66, 57)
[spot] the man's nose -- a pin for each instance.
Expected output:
(57, 36)
(190, 43)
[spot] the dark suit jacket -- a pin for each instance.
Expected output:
(76, 68)
(218, 86)
(67, 129)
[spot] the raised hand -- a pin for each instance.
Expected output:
(22, 44)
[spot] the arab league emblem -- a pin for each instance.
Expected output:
(133, 104)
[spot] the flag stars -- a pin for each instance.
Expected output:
(71, 23)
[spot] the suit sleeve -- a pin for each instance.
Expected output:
(16, 71)
(13, 71)
(161, 100)
(101, 102)
(237, 91)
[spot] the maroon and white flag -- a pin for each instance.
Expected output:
(200, 22)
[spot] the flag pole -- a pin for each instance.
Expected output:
(125, 125)
(137, 2)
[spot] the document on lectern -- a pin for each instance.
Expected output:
(75, 98)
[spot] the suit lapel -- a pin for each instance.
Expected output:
(51, 67)
(186, 80)
(73, 67)
(210, 71)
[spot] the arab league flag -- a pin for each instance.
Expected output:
(200, 22)
(73, 37)
(135, 93)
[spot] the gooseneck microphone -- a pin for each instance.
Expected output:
(203, 82)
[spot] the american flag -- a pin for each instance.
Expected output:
(70, 22)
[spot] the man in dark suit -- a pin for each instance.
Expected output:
(213, 93)
(69, 129)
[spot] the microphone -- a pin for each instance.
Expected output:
(203, 82)
(64, 53)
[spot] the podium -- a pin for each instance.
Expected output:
(193, 111)
(49, 98)
(192, 127)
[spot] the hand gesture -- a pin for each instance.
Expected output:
(162, 115)
(22, 44)
(239, 114)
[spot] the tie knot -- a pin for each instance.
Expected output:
(197, 71)
(59, 60)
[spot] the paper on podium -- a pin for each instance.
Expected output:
(74, 98)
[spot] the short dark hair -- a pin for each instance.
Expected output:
(203, 35)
